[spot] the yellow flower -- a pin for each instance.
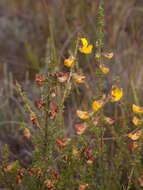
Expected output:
(108, 55)
(117, 94)
(104, 55)
(104, 69)
(69, 62)
(97, 56)
(137, 109)
(136, 121)
(135, 136)
(87, 49)
(78, 78)
(83, 114)
(97, 105)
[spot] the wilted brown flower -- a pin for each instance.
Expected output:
(39, 104)
(40, 80)
(87, 155)
(18, 180)
(32, 171)
(83, 186)
(63, 142)
(62, 77)
(50, 183)
(54, 174)
(27, 133)
(54, 109)
(33, 118)
(81, 128)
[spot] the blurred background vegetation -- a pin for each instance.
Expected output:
(28, 28)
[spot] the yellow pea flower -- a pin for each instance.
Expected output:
(104, 55)
(108, 55)
(97, 105)
(78, 78)
(136, 121)
(117, 94)
(97, 55)
(137, 109)
(85, 48)
(69, 62)
(104, 69)
(83, 114)
(135, 136)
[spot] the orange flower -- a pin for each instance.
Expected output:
(135, 136)
(85, 48)
(69, 62)
(81, 128)
(137, 109)
(104, 69)
(84, 114)
(63, 142)
(78, 78)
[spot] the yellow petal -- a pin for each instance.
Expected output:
(104, 69)
(84, 42)
(117, 94)
(97, 105)
(108, 55)
(83, 114)
(78, 78)
(137, 109)
(86, 50)
(69, 62)
(135, 136)
(136, 121)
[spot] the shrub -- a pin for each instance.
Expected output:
(103, 153)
